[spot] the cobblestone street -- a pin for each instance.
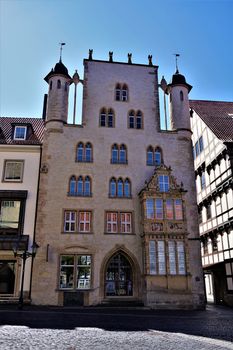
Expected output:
(77, 329)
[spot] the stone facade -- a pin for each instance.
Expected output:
(103, 260)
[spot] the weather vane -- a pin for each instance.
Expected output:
(62, 44)
(177, 55)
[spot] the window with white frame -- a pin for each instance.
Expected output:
(163, 183)
(84, 221)
(119, 222)
(135, 119)
(107, 118)
(121, 92)
(77, 221)
(75, 272)
(20, 132)
(13, 170)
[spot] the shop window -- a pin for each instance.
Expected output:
(12, 208)
(75, 272)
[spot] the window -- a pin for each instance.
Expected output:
(51, 85)
(84, 152)
(154, 156)
(169, 209)
(181, 96)
(158, 261)
(178, 209)
(120, 188)
(20, 133)
(214, 242)
(229, 275)
(159, 209)
(75, 272)
(119, 154)
(59, 84)
(70, 221)
(118, 222)
(80, 186)
(121, 92)
(107, 118)
(163, 183)
(135, 120)
(208, 212)
(12, 208)
(202, 181)
(200, 216)
(77, 221)
(150, 208)
(84, 221)
(13, 170)
(198, 147)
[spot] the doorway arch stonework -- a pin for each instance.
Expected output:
(135, 269)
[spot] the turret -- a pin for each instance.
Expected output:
(178, 91)
(58, 95)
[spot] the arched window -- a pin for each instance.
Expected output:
(122, 156)
(131, 119)
(158, 156)
(124, 93)
(139, 120)
(88, 152)
(72, 186)
(118, 92)
(87, 186)
(112, 187)
(150, 159)
(110, 118)
(181, 96)
(120, 191)
(103, 117)
(115, 153)
(127, 188)
(50, 85)
(80, 186)
(59, 84)
(80, 152)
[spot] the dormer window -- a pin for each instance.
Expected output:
(20, 133)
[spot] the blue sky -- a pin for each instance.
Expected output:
(30, 32)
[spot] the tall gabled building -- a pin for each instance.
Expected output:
(20, 152)
(117, 215)
(212, 126)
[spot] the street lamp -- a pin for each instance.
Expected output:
(24, 255)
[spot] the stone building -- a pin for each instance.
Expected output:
(212, 126)
(20, 152)
(117, 216)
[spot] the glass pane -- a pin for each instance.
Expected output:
(131, 122)
(67, 260)
(120, 188)
(102, 120)
(157, 158)
(150, 208)
(181, 258)
(159, 209)
(13, 170)
(114, 155)
(20, 132)
(169, 209)
(9, 214)
(161, 258)
(139, 122)
(67, 277)
(88, 154)
(152, 257)
(150, 158)
(127, 189)
(178, 209)
(172, 257)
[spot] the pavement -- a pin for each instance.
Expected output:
(99, 328)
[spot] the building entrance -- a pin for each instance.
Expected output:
(7, 276)
(119, 276)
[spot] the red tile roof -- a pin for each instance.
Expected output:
(6, 130)
(217, 115)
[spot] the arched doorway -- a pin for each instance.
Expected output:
(7, 277)
(118, 276)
